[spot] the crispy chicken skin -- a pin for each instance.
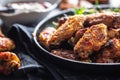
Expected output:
(114, 33)
(9, 62)
(92, 40)
(74, 23)
(111, 19)
(45, 35)
(73, 40)
(66, 30)
(6, 44)
(111, 53)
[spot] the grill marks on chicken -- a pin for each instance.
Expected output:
(66, 30)
(92, 40)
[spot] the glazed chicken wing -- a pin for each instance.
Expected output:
(9, 62)
(45, 35)
(111, 19)
(66, 30)
(111, 52)
(92, 40)
(6, 44)
(73, 40)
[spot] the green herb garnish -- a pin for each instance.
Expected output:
(115, 9)
(84, 11)
(55, 24)
(97, 7)
(96, 2)
(90, 11)
(79, 11)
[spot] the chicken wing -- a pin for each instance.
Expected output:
(6, 44)
(111, 19)
(66, 30)
(45, 35)
(9, 62)
(92, 40)
(73, 40)
(111, 52)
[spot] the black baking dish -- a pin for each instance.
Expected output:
(63, 62)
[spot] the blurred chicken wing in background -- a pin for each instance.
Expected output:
(9, 61)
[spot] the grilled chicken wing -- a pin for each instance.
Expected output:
(111, 19)
(66, 30)
(111, 53)
(9, 62)
(6, 44)
(92, 40)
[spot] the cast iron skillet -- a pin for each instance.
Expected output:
(63, 62)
